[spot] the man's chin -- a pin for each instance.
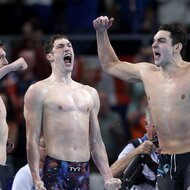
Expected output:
(157, 63)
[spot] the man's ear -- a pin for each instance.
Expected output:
(178, 47)
(49, 56)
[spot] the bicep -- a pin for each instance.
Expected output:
(94, 128)
(32, 113)
(127, 71)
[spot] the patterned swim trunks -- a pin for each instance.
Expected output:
(63, 175)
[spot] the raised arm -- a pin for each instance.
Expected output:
(97, 147)
(17, 65)
(108, 58)
(33, 116)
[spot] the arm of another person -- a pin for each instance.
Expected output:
(17, 65)
(110, 62)
(97, 147)
(33, 110)
(127, 156)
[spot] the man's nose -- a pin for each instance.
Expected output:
(154, 44)
(5, 62)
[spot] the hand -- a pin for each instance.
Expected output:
(19, 64)
(146, 147)
(102, 23)
(40, 186)
(10, 146)
(113, 184)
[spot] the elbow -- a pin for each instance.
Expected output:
(107, 68)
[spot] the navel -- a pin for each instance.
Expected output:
(60, 107)
(183, 96)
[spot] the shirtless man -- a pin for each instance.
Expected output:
(65, 112)
(167, 86)
(6, 68)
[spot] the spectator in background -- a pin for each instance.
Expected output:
(23, 178)
(146, 180)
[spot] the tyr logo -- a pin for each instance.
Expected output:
(74, 169)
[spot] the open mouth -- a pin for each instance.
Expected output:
(156, 55)
(67, 59)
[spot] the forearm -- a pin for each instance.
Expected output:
(5, 70)
(120, 165)
(33, 158)
(106, 53)
(100, 159)
(14, 66)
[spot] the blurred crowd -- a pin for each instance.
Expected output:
(122, 108)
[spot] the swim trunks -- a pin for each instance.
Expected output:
(63, 175)
(174, 172)
(3, 177)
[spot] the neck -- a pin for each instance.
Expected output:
(65, 79)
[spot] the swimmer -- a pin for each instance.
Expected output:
(65, 111)
(166, 83)
(5, 145)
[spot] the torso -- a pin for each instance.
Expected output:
(66, 121)
(169, 101)
(3, 133)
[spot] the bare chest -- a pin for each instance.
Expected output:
(68, 100)
(174, 91)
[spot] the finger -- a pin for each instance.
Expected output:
(104, 20)
(111, 22)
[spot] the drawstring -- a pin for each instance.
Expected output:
(173, 160)
(175, 167)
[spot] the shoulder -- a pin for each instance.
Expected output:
(24, 170)
(37, 89)
(91, 90)
(23, 175)
(135, 142)
(145, 66)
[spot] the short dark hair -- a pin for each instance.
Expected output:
(2, 45)
(177, 34)
(48, 45)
